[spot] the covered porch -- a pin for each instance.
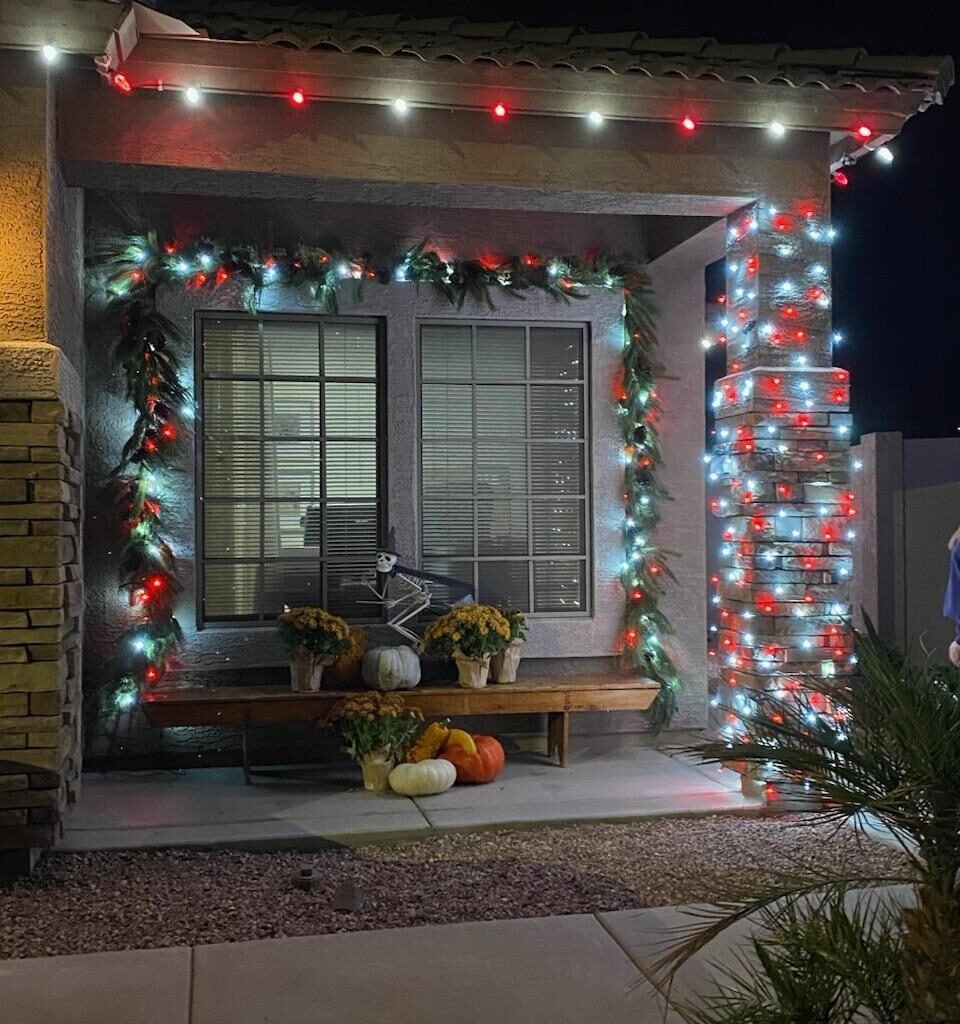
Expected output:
(307, 807)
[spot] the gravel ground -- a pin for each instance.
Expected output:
(82, 903)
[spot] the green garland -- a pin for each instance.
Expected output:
(137, 268)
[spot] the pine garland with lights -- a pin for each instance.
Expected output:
(136, 268)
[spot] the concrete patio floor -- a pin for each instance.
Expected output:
(319, 804)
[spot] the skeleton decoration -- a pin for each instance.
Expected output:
(405, 592)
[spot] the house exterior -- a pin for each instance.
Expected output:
(489, 435)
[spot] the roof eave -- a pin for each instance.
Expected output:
(176, 62)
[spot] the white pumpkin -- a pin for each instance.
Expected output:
(391, 668)
(423, 778)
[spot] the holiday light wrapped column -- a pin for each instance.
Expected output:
(781, 467)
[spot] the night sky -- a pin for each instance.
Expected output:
(896, 261)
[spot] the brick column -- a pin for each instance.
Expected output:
(41, 599)
(782, 461)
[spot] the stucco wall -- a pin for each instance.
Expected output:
(591, 640)
(912, 506)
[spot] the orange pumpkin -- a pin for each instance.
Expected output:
(483, 766)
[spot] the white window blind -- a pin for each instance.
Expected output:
(503, 417)
(289, 468)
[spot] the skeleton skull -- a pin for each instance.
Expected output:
(386, 560)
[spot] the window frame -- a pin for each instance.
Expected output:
(588, 557)
(381, 440)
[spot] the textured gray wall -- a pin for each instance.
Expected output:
(242, 653)
(911, 508)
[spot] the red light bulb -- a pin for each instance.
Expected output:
(122, 82)
(500, 111)
(156, 582)
(688, 124)
(839, 178)
(864, 131)
(151, 675)
(297, 98)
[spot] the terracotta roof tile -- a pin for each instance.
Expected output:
(508, 43)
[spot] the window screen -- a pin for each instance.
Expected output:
(504, 463)
(290, 480)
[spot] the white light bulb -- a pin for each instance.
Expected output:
(595, 118)
(192, 95)
(777, 129)
(401, 106)
(50, 53)
(885, 155)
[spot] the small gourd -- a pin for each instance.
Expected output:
(391, 668)
(424, 778)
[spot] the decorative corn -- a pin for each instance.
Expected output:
(427, 745)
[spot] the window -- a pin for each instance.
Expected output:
(289, 476)
(504, 463)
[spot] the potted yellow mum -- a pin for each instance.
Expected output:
(469, 634)
(315, 639)
(376, 729)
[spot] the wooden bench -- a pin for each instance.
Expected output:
(558, 698)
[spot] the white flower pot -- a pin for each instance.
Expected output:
(376, 768)
(306, 669)
(472, 672)
(504, 665)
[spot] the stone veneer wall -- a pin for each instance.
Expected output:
(40, 615)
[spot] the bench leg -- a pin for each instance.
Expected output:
(245, 753)
(558, 735)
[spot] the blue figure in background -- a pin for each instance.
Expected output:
(951, 600)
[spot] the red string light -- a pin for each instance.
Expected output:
(688, 124)
(500, 111)
(297, 98)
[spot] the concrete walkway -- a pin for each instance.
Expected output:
(555, 970)
(321, 804)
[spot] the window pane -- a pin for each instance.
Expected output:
(292, 469)
(231, 346)
(231, 530)
(231, 591)
(231, 407)
(291, 408)
(501, 411)
(290, 583)
(502, 527)
(279, 496)
(447, 409)
(443, 595)
(555, 411)
(352, 530)
(350, 409)
(556, 353)
(351, 469)
(448, 527)
(501, 468)
(447, 468)
(292, 528)
(445, 352)
(556, 468)
(505, 583)
(501, 353)
(558, 528)
(559, 586)
(347, 590)
(291, 348)
(231, 469)
(350, 350)
(503, 426)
